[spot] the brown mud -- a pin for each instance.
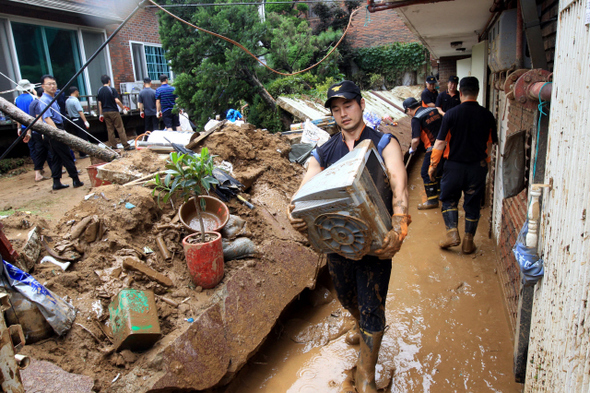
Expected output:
(447, 327)
(259, 161)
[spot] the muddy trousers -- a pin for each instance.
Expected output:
(469, 179)
(362, 288)
(432, 188)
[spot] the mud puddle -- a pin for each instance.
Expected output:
(447, 328)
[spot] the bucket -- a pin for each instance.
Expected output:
(92, 172)
(215, 216)
(204, 260)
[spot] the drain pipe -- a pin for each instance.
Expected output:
(519, 36)
(540, 89)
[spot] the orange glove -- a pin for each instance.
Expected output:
(435, 157)
(394, 239)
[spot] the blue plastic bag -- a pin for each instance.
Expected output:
(531, 266)
(233, 115)
(58, 313)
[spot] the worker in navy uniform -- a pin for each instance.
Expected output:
(362, 285)
(450, 98)
(425, 127)
(465, 137)
(429, 94)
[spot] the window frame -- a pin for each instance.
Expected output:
(145, 70)
(65, 26)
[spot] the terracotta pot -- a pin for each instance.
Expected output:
(204, 260)
(215, 216)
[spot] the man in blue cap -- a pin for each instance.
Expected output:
(362, 285)
(429, 94)
(465, 136)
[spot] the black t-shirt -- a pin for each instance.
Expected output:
(426, 125)
(106, 95)
(468, 128)
(446, 102)
(428, 97)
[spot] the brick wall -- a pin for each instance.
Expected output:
(519, 118)
(549, 10)
(143, 27)
(385, 27)
(447, 66)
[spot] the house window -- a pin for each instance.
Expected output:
(48, 50)
(149, 60)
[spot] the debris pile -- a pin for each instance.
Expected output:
(120, 238)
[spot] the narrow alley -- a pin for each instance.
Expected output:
(448, 331)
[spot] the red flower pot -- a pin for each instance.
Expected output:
(204, 260)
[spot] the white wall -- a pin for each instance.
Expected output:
(463, 68)
(559, 347)
(479, 68)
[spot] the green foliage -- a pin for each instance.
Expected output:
(389, 62)
(187, 175)
(11, 163)
(212, 75)
(259, 113)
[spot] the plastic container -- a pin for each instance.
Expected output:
(204, 260)
(92, 172)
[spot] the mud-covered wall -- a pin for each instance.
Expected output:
(559, 344)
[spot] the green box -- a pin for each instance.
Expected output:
(134, 320)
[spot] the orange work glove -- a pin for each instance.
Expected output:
(394, 239)
(435, 157)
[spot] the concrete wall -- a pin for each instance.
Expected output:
(558, 358)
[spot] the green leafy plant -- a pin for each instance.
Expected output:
(189, 176)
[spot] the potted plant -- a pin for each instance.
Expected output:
(190, 176)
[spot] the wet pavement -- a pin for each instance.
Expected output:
(447, 327)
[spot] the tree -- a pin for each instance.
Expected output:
(213, 75)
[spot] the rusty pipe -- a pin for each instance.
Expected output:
(372, 7)
(540, 89)
(10, 379)
(163, 249)
(22, 361)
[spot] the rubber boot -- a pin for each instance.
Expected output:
(57, 185)
(431, 197)
(353, 337)
(364, 377)
(468, 247)
(77, 182)
(451, 218)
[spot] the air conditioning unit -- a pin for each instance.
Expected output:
(347, 207)
(129, 93)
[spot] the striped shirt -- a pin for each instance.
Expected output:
(165, 94)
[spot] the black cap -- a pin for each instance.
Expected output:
(430, 79)
(344, 89)
(410, 103)
(454, 78)
(469, 82)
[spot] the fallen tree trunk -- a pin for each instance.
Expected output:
(59, 135)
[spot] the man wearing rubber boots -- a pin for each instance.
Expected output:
(425, 126)
(362, 285)
(464, 136)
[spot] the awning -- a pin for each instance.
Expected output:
(72, 7)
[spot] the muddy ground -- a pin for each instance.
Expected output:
(259, 161)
